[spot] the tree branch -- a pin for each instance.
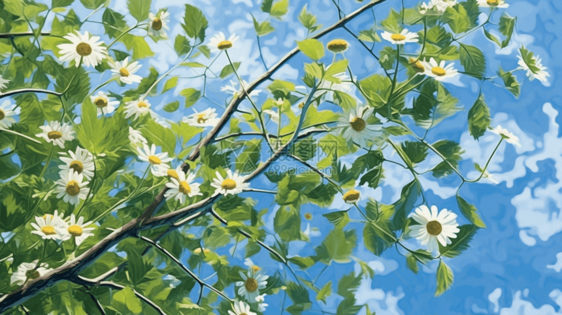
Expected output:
(20, 91)
(21, 34)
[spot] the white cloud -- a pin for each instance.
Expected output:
(558, 265)
(519, 306)
(379, 301)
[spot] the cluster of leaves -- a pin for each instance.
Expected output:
(29, 168)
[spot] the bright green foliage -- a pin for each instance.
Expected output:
(161, 240)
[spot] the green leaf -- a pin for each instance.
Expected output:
(348, 284)
(510, 82)
(392, 22)
(172, 107)
(287, 223)
(452, 152)
(279, 9)
(160, 136)
(415, 151)
(312, 48)
(491, 37)
(139, 9)
(378, 236)
(308, 20)
(338, 218)
(324, 292)
(138, 44)
(529, 59)
(113, 23)
(405, 204)
(181, 45)
(369, 36)
(92, 4)
(170, 84)
(228, 70)
(262, 28)
(444, 278)
(473, 60)
(194, 23)
(337, 246)
(61, 3)
(470, 212)
(460, 243)
(191, 96)
(507, 25)
(266, 5)
(335, 68)
(457, 18)
(479, 118)
(128, 298)
(412, 263)
(376, 89)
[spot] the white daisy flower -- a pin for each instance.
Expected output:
(170, 173)
(104, 103)
(125, 71)
(182, 187)
(56, 133)
(81, 161)
(234, 90)
(157, 160)
(508, 136)
(493, 4)
(219, 42)
(439, 71)
(49, 227)
(260, 299)
(241, 308)
(56, 218)
(273, 114)
(78, 230)
(252, 284)
(71, 187)
(401, 38)
(206, 118)
(436, 7)
(6, 113)
(232, 184)
(136, 137)
(88, 48)
(435, 226)
(534, 68)
(137, 108)
(3, 82)
(28, 271)
(354, 126)
(158, 24)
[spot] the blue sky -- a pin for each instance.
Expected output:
(512, 266)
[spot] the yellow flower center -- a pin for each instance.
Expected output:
(398, 37)
(255, 268)
(153, 159)
(173, 174)
(198, 251)
(73, 188)
(142, 104)
(101, 102)
(225, 44)
(201, 119)
(228, 184)
(157, 24)
(48, 230)
(84, 49)
(54, 135)
(351, 196)
(184, 188)
(301, 105)
(358, 124)
(337, 45)
(2, 114)
(251, 285)
(434, 228)
(77, 166)
(124, 72)
(308, 216)
(32, 274)
(75, 230)
(438, 71)
(493, 2)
